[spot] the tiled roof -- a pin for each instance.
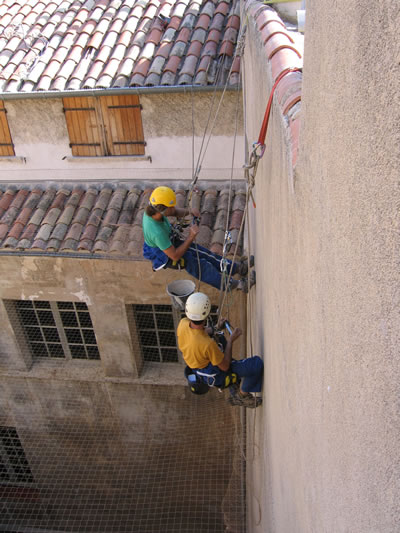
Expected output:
(106, 219)
(283, 49)
(87, 44)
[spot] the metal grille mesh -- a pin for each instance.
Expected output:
(83, 452)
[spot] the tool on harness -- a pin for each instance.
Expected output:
(176, 265)
(198, 386)
(227, 325)
(225, 249)
(177, 237)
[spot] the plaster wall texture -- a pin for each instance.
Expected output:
(323, 450)
(178, 129)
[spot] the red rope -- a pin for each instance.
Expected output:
(264, 126)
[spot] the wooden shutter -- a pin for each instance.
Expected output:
(6, 144)
(123, 124)
(84, 123)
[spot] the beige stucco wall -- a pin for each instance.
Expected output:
(40, 136)
(323, 450)
(108, 287)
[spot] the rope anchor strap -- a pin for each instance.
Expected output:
(264, 126)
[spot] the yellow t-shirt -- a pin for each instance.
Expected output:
(198, 349)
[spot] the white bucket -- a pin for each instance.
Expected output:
(179, 291)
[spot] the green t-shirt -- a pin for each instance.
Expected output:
(157, 234)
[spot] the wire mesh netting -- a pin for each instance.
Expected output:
(83, 452)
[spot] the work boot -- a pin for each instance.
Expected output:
(234, 389)
(249, 401)
(243, 265)
(246, 284)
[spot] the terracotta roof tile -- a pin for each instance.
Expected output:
(157, 66)
(227, 48)
(178, 49)
(277, 42)
(154, 36)
(61, 56)
(266, 16)
(104, 221)
(164, 50)
(189, 21)
(203, 22)
(234, 22)
(204, 63)
(199, 35)
(183, 35)
(174, 22)
(210, 48)
(214, 35)
(189, 66)
(194, 49)
(172, 65)
(230, 35)
(217, 22)
(283, 59)
(90, 233)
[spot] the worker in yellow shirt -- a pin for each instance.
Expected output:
(203, 356)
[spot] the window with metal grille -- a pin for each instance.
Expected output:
(6, 144)
(57, 329)
(14, 467)
(104, 125)
(156, 329)
(156, 326)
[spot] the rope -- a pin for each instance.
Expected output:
(196, 172)
(225, 281)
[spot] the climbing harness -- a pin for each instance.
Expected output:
(200, 382)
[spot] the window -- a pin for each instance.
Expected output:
(104, 125)
(156, 326)
(14, 467)
(6, 144)
(156, 329)
(57, 329)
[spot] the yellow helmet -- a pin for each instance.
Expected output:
(163, 196)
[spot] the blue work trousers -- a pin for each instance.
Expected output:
(250, 370)
(210, 265)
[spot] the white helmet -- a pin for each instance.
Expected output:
(198, 306)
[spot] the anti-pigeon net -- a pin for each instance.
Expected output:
(83, 452)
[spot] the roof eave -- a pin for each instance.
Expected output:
(187, 89)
